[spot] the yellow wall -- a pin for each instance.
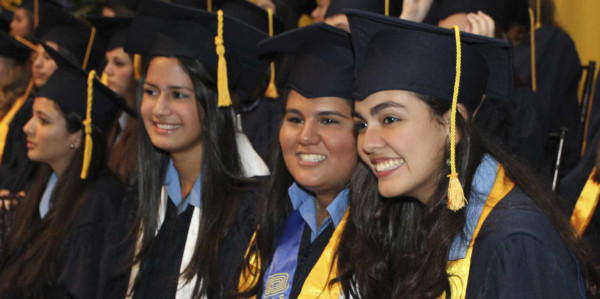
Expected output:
(581, 19)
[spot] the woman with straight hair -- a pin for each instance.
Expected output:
(59, 232)
(195, 203)
(303, 210)
(412, 232)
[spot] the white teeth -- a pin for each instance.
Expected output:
(167, 126)
(312, 157)
(389, 165)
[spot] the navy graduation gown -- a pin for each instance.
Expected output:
(78, 263)
(518, 254)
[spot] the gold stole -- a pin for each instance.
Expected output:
(586, 205)
(458, 270)
(5, 122)
(316, 284)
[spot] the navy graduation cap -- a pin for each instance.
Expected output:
(112, 31)
(9, 47)
(250, 13)
(164, 29)
(336, 7)
(323, 61)
(395, 54)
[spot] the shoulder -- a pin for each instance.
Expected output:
(519, 249)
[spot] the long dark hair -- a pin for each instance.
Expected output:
(221, 180)
(32, 249)
(386, 248)
(272, 210)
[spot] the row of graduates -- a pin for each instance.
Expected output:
(320, 233)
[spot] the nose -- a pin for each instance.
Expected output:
(108, 69)
(161, 106)
(309, 134)
(28, 127)
(370, 140)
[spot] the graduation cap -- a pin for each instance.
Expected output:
(323, 61)
(504, 12)
(9, 47)
(375, 6)
(6, 17)
(81, 93)
(252, 14)
(129, 4)
(35, 6)
(198, 4)
(112, 31)
(225, 46)
(59, 26)
(395, 54)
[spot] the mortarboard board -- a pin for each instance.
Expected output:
(9, 47)
(323, 61)
(70, 86)
(252, 14)
(395, 54)
(112, 31)
(504, 12)
(336, 6)
(59, 26)
(163, 29)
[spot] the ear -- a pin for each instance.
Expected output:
(462, 110)
(76, 138)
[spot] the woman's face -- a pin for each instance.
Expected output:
(119, 73)
(318, 14)
(402, 142)
(48, 140)
(318, 143)
(21, 23)
(170, 108)
(43, 66)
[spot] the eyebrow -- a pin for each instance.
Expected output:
(170, 86)
(321, 113)
(382, 106)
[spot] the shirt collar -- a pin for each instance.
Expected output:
(174, 190)
(483, 182)
(304, 202)
(45, 201)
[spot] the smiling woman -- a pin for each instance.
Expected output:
(306, 202)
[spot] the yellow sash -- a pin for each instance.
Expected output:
(586, 205)
(5, 122)
(458, 270)
(316, 284)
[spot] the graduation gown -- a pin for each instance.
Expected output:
(514, 252)
(558, 75)
(16, 169)
(161, 272)
(78, 263)
(261, 122)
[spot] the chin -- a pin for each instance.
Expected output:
(388, 191)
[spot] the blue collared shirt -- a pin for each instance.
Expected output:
(45, 202)
(304, 202)
(483, 181)
(174, 190)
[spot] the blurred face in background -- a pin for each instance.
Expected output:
(42, 66)
(21, 23)
(318, 14)
(119, 73)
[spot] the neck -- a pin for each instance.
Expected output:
(60, 167)
(188, 166)
(322, 201)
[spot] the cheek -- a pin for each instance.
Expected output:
(287, 139)
(146, 110)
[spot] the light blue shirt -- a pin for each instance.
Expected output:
(304, 202)
(174, 190)
(483, 181)
(45, 202)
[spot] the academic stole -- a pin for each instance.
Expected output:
(185, 288)
(316, 284)
(586, 205)
(458, 270)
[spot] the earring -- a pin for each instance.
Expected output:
(448, 162)
(72, 146)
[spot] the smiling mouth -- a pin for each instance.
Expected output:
(167, 126)
(388, 165)
(315, 158)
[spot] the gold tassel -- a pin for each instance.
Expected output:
(137, 66)
(89, 48)
(456, 194)
(222, 84)
(532, 37)
(209, 5)
(36, 14)
(387, 8)
(538, 23)
(104, 78)
(272, 88)
(87, 124)
(27, 43)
